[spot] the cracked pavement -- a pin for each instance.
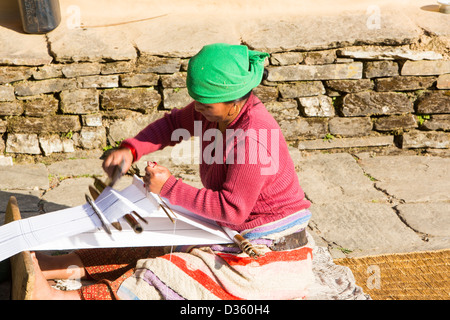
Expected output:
(362, 204)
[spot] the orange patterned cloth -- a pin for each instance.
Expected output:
(109, 267)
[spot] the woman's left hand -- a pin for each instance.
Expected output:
(155, 177)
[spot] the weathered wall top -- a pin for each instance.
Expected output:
(114, 30)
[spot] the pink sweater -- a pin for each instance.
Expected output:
(241, 194)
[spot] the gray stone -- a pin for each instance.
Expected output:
(373, 103)
(376, 69)
(320, 106)
(176, 80)
(301, 89)
(12, 74)
(336, 178)
(107, 81)
(32, 88)
(429, 218)
(283, 110)
(144, 99)
(90, 45)
(350, 86)
(383, 53)
(176, 98)
(266, 93)
(41, 106)
(7, 93)
(3, 126)
(117, 67)
(339, 143)
(434, 102)
(139, 80)
(425, 139)
(303, 128)
(425, 68)
(48, 71)
(152, 64)
(93, 137)
(76, 168)
(51, 144)
(80, 101)
(181, 38)
(304, 32)
(80, 69)
(130, 125)
(320, 57)
(22, 143)
(344, 60)
(443, 82)
(404, 83)
(58, 123)
(14, 108)
(395, 122)
(56, 198)
(437, 122)
(22, 49)
(410, 178)
(363, 228)
(68, 145)
(286, 58)
(320, 72)
(6, 161)
(28, 201)
(92, 120)
(350, 127)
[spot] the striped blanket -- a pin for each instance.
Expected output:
(222, 272)
(205, 274)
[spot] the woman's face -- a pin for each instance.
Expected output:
(214, 112)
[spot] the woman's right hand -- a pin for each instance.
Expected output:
(115, 158)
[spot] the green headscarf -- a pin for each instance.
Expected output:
(222, 72)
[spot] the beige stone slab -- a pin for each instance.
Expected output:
(22, 49)
(429, 218)
(363, 228)
(346, 143)
(424, 68)
(184, 36)
(314, 32)
(69, 193)
(90, 45)
(336, 177)
(76, 168)
(411, 178)
(24, 177)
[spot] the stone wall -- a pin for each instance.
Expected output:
(350, 97)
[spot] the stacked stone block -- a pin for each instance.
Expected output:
(338, 98)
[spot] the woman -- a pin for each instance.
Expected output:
(250, 186)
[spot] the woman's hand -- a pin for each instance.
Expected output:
(155, 177)
(115, 158)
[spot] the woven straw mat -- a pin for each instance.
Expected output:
(406, 276)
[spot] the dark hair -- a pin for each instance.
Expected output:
(264, 77)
